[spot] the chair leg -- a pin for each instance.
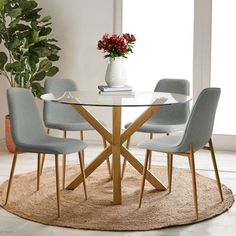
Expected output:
(144, 177)
(107, 160)
(170, 168)
(150, 157)
(38, 170)
(189, 162)
(57, 185)
(216, 169)
(42, 159)
(43, 156)
(64, 165)
(124, 161)
(63, 171)
(192, 166)
(11, 176)
(83, 174)
(82, 138)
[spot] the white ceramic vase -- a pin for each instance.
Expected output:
(116, 74)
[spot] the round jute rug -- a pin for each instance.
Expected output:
(159, 209)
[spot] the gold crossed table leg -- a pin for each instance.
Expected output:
(116, 148)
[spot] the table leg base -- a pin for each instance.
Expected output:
(90, 168)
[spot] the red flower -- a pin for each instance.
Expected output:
(100, 45)
(129, 38)
(116, 45)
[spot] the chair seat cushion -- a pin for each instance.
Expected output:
(70, 126)
(162, 144)
(150, 127)
(52, 145)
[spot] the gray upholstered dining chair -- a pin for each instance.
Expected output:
(169, 118)
(64, 117)
(197, 134)
(29, 135)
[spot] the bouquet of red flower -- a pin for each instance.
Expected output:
(116, 45)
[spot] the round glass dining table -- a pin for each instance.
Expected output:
(153, 101)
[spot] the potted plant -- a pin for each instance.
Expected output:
(116, 47)
(29, 52)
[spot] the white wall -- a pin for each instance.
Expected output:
(78, 25)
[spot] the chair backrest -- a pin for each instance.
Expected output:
(26, 123)
(176, 113)
(200, 124)
(55, 111)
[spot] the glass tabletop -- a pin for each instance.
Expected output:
(137, 99)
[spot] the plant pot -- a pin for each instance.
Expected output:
(116, 74)
(9, 140)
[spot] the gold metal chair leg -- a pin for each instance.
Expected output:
(38, 170)
(150, 157)
(83, 174)
(170, 168)
(124, 161)
(216, 169)
(11, 176)
(64, 165)
(144, 177)
(57, 185)
(43, 157)
(192, 166)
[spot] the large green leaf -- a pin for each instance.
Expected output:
(15, 43)
(43, 51)
(3, 59)
(45, 65)
(52, 71)
(33, 57)
(14, 22)
(28, 5)
(46, 19)
(53, 57)
(40, 76)
(45, 31)
(22, 27)
(37, 89)
(8, 67)
(53, 46)
(17, 66)
(33, 15)
(15, 12)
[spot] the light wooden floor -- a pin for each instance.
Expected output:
(224, 224)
